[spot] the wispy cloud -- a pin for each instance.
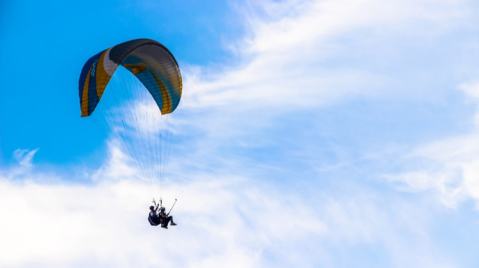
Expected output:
(24, 157)
(292, 58)
(449, 166)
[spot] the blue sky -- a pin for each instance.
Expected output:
(360, 118)
(55, 38)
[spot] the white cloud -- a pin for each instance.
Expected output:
(24, 157)
(307, 55)
(450, 166)
(471, 89)
(119, 165)
(221, 222)
(286, 60)
(227, 221)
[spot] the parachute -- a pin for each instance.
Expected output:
(151, 62)
(157, 70)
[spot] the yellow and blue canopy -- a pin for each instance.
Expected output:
(151, 62)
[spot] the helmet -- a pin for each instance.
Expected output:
(152, 208)
(162, 209)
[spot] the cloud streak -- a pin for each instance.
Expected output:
(449, 166)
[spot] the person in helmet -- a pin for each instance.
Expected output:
(165, 219)
(153, 216)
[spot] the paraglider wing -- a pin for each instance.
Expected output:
(147, 59)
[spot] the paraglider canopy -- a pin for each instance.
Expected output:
(134, 113)
(148, 60)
